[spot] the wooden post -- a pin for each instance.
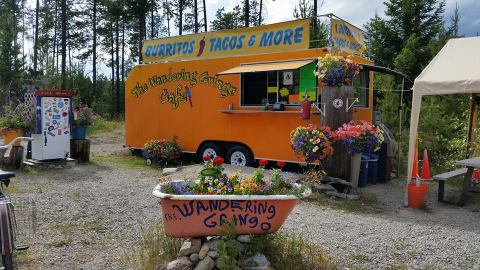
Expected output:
(472, 125)
(80, 150)
(16, 156)
(335, 100)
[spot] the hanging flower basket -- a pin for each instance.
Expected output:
(217, 202)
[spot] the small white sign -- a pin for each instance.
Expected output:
(337, 103)
(287, 77)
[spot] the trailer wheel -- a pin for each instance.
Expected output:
(149, 162)
(210, 149)
(240, 156)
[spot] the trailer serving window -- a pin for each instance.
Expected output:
(287, 82)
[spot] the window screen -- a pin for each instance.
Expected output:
(361, 83)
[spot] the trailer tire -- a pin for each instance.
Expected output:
(240, 156)
(209, 149)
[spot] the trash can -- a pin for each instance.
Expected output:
(363, 176)
(373, 168)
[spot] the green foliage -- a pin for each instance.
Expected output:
(102, 125)
(443, 129)
(163, 149)
(15, 116)
(156, 248)
(404, 18)
(290, 251)
(84, 116)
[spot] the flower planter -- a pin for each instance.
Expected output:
(79, 133)
(10, 134)
(417, 195)
(187, 216)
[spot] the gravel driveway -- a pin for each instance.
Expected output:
(90, 217)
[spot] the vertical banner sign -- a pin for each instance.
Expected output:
(347, 37)
(286, 36)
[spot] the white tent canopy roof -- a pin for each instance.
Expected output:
(454, 70)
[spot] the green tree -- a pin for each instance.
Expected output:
(386, 37)
(318, 30)
(10, 60)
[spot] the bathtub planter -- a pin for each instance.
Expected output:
(187, 216)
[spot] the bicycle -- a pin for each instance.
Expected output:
(8, 227)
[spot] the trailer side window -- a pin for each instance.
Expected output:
(361, 83)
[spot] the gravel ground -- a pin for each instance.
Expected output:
(90, 217)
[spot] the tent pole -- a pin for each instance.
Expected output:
(400, 128)
(472, 125)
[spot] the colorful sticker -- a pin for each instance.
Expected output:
(56, 116)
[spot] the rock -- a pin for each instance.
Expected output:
(244, 239)
(203, 252)
(213, 244)
(194, 257)
(205, 264)
(213, 254)
(190, 246)
(182, 263)
(257, 260)
(258, 268)
(342, 195)
(324, 187)
(168, 171)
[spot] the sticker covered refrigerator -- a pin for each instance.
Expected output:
(52, 132)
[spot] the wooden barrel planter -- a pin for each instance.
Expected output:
(336, 100)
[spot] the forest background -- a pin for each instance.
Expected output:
(69, 36)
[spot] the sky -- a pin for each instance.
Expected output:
(357, 12)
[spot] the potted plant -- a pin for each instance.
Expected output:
(311, 143)
(161, 150)
(14, 120)
(83, 117)
(256, 204)
(359, 136)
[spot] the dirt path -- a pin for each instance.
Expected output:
(90, 217)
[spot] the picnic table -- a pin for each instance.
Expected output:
(471, 164)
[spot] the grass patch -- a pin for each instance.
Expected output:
(102, 125)
(289, 251)
(156, 248)
(367, 203)
(284, 251)
(122, 160)
(14, 189)
(361, 257)
(96, 226)
(60, 243)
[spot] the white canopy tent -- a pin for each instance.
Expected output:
(454, 70)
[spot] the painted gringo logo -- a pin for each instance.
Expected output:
(189, 78)
(174, 98)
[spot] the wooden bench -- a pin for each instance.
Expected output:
(441, 178)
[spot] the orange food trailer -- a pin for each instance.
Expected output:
(217, 95)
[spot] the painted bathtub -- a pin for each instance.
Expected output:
(187, 216)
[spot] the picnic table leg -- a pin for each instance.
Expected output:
(441, 190)
(466, 186)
